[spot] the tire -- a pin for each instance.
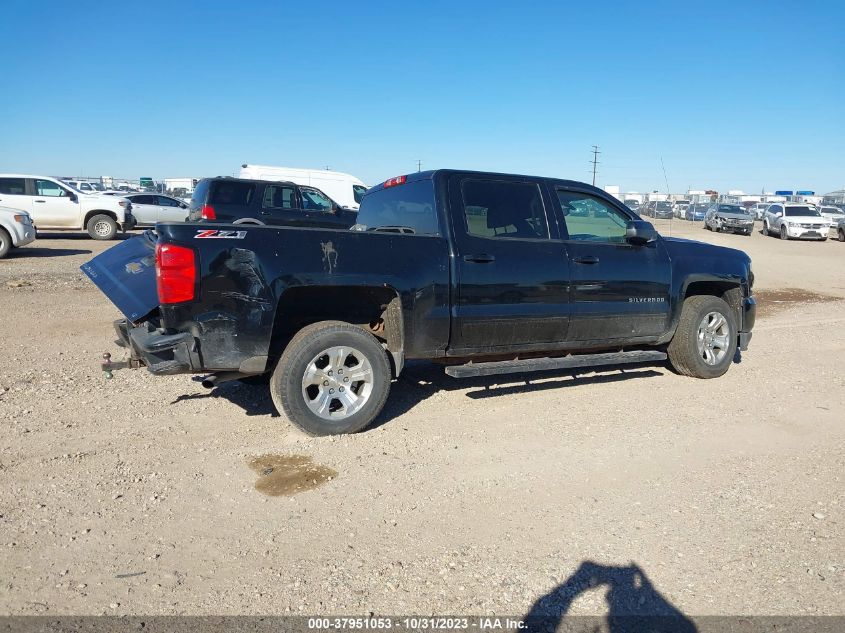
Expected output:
(5, 243)
(783, 233)
(101, 227)
(323, 350)
(765, 229)
(692, 352)
(841, 235)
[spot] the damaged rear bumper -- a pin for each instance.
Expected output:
(161, 352)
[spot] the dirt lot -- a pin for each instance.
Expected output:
(144, 495)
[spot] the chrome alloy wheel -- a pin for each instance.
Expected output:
(337, 382)
(713, 338)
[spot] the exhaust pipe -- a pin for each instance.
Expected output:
(209, 382)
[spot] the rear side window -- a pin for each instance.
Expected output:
(407, 208)
(499, 209)
(279, 197)
(13, 186)
(225, 192)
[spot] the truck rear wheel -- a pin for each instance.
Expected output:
(705, 341)
(332, 378)
(101, 227)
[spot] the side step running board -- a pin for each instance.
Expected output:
(541, 364)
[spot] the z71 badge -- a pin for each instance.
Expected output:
(220, 235)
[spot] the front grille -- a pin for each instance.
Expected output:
(812, 226)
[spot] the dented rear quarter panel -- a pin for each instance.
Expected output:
(242, 279)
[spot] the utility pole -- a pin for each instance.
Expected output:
(419, 165)
(595, 162)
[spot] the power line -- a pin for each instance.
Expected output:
(595, 162)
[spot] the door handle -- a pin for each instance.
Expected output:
(480, 258)
(586, 259)
(41, 201)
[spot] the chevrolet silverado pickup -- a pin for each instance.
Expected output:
(485, 273)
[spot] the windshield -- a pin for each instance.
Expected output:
(793, 211)
(358, 191)
(833, 210)
(664, 205)
(731, 208)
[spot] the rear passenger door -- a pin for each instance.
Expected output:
(281, 206)
(511, 288)
(619, 290)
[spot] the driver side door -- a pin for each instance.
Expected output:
(53, 206)
(618, 290)
(171, 210)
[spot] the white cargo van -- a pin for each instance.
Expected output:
(344, 189)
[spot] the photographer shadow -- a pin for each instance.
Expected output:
(634, 605)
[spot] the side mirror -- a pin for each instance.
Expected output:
(640, 232)
(183, 205)
(73, 197)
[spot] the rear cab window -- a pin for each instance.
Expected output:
(406, 208)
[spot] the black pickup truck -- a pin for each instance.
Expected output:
(486, 273)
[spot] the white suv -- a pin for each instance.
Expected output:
(55, 205)
(793, 220)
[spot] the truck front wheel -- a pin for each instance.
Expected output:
(332, 378)
(705, 341)
(102, 227)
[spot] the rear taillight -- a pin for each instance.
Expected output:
(176, 273)
(208, 213)
(399, 180)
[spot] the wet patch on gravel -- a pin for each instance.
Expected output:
(287, 475)
(770, 302)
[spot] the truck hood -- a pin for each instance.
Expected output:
(678, 247)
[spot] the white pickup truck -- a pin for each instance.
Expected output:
(56, 206)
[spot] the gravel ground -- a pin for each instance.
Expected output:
(145, 495)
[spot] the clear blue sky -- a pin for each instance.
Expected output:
(730, 94)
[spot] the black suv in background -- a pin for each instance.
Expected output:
(237, 201)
